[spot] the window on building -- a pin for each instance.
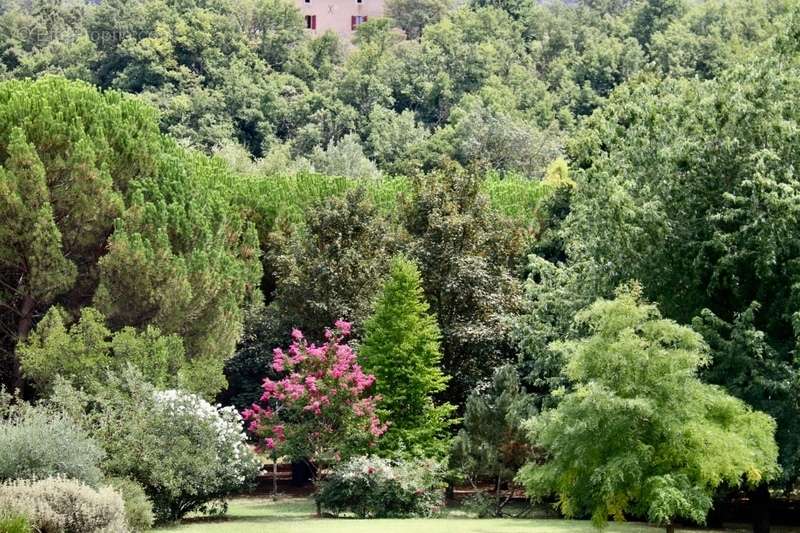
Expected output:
(359, 1)
(355, 20)
(311, 22)
(307, 1)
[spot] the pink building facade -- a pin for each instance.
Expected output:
(340, 16)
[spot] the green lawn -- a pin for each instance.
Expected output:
(251, 515)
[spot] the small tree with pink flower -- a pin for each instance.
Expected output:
(321, 411)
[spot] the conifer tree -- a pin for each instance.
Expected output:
(401, 349)
(99, 209)
(492, 445)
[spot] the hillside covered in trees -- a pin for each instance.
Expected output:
(548, 221)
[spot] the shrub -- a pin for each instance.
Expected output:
(83, 350)
(36, 442)
(14, 524)
(56, 505)
(345, 158)
(184, 451)
(138, 507)
(638, 432)
(371, 487)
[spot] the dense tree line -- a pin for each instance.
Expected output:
(546, 211)
(490, 84)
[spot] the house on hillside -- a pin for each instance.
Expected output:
(339, 16)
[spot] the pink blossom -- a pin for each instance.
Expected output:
(311, 383)
(278, 360)
(314, 407)
(317, 352)
(376, 428)
(325, 381)
(343, 326)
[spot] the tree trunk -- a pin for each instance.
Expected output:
(670, 528)
(274, 478)
(450, 491)
(23, 328)
(761, 500)
(497, 505)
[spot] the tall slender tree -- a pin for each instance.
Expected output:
(401, 349)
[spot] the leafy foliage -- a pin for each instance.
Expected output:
(401, 349)
(717, 242)
(10, 523)
(333, 266)
(103, 210)
(468, 255)
(37, 442)
(138, 508)
(640, 432)
(185, 452)
(86, 350)
(493, 444)
(371, 487)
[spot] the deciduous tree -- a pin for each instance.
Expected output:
(639, 432)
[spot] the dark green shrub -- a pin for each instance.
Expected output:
(370, 487)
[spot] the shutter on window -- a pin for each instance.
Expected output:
(364, 19)
(313, 22)
(352, 23)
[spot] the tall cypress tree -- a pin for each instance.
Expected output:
(401, 348)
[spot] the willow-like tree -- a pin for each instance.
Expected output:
(100, 209)
(639, 433)
(401, 349)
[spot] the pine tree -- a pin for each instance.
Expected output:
(99, 209)
(401, 349)
(492, 445)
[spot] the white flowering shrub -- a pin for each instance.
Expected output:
(235, 463)
(187, 454)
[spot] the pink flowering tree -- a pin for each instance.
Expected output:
(321, 411)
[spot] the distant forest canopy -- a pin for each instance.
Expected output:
(489, 85)
(529, 158)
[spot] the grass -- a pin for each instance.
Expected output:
(296, 515)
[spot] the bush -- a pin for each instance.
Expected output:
(36, 442)
(371, 487)
(185, 452)
(14, 524)
(138, 507)
(56, 505)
